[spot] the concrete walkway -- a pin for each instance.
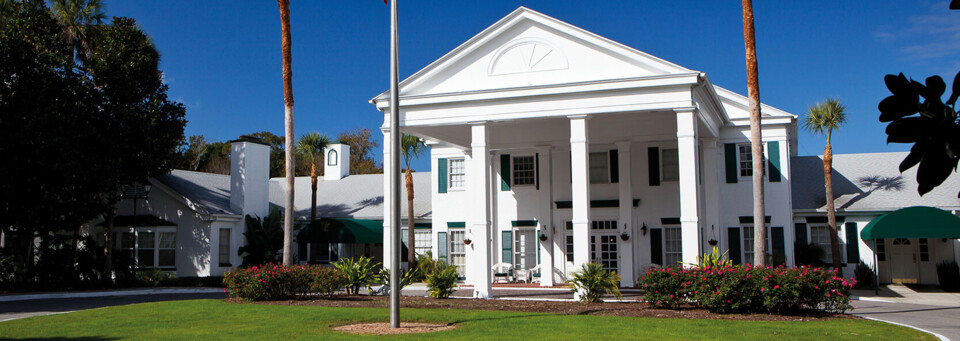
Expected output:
(930, 309)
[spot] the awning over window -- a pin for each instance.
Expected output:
(341, 230)
(913, 222)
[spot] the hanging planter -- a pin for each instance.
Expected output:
(712, 242)
(467, 241)
(624, 236)
(543, 237)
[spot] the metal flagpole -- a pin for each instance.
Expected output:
(394, 168)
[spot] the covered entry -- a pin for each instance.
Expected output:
(329, 239)
(909, 242)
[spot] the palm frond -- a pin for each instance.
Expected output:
(411, 147)
(310, 146)
(825, 117)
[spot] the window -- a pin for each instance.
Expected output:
(746, 160)
(423, 239)
(820, 235)
(603, 225)
(881, 250)
(524, 248)
(599, 168)
(332, 158)
(524, 170)
(671, 164)
(224, 248)
(155, 247)
(456, 173)
(568, 242)
(748, 242)
(672, 246)
(322, 252)
(458, 251)
(924, 250)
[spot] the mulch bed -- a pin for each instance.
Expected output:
(633, 309)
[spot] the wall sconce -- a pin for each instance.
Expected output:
(643, 229)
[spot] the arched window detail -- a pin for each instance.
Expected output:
(332, 158)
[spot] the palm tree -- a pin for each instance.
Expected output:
(310, 147)
(411, 147)
(76, 17)
(753, 90)
(823, 118)
(288, 124)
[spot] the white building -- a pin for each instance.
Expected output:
(552, 147)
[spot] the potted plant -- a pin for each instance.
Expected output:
(624, 236)
(467, 241)
(543, 237)
(712, 242)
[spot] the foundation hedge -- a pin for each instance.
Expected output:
(743, 289)
(277, 282)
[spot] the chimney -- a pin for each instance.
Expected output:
(250, 176)
(336, 161)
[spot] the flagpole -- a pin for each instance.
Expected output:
(394, 168)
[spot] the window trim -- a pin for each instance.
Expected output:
(156, 230)
(513, 170)
(220, 261)
(451, 241)
(332, 157)
(606, 171)
(663, 163)
(663, 242)
(516, 242)
(427, 246)
(743, 242)
(827, 248)
(450, 174)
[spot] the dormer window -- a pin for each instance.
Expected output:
(332, 158)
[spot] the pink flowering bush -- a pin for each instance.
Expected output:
(744, 289)
(277, 282)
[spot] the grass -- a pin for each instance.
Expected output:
(215, 319)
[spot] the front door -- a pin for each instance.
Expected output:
(903, 261)
(603, 251)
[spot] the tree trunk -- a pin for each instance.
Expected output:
(108, 247)
(753, 89)
(831, 209)
(313, 188)
(288, 124)
(411, 241)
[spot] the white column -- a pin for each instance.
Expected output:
(689, 184)
(387, 202)
(545, 163)
(580, 163)
(625, 247)
(710, 173)
(478, 212)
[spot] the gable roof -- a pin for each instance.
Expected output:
(510, 31)
(869, 182)
(737, 106)
(355, 196)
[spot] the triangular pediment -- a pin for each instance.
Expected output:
(737, 106)
(526, 49)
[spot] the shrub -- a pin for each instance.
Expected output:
(865, 276)
(949, 275)
(593, 281)
(154, 277)
(358, 273)
(809, 254)
(443, 281)
(426, 266)
(740, 289)
(326, 282)
(406, 277)
(271, 282)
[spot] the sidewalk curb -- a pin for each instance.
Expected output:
(135, 292)
(941, 337)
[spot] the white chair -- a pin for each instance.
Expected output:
(502, 270)
(533, 274)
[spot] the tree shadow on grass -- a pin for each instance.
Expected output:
(78, 338)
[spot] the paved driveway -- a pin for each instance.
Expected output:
(34, 307)
(943, 320)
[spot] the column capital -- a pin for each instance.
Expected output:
(683, 110)
(579, 116)
(623, 144)
(477, 123)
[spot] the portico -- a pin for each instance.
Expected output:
(553, 147)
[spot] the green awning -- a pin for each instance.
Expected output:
(913, 222)
(342, 230)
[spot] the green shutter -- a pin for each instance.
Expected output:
(779, 249)
(656, 246)
(653, 166)
(507, 244)
(441, 175)
(800, 233)
(614, 166)
(537, 172)
(442, 246)
(730, 156)
(733, 242)
(853, 243)
(773, 155)
(504, 172)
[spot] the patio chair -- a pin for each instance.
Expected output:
(535, 271)
(523, 275)
(502, 270)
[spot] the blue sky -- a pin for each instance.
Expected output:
(222, 59)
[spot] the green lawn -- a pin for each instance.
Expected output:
(214, 319)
